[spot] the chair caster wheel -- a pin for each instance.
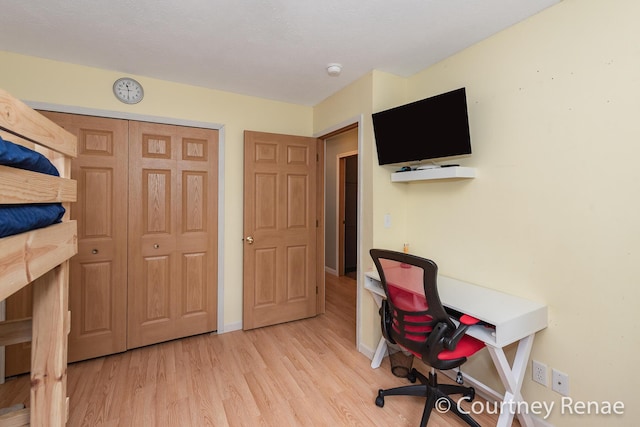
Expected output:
(471, 394)
(411, 376)
(380, 400)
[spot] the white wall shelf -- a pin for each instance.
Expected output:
(435, 173)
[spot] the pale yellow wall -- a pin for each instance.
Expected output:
(388, 199)
(33, 79)
(553, 214)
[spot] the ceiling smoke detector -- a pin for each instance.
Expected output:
(334, 69)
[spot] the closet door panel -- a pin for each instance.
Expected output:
(98, 276)
(196, 234)
(173, 232)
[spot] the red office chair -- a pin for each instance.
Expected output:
(413, 317)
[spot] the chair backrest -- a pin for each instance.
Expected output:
(412, 314)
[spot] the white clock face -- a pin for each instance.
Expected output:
(128, 90)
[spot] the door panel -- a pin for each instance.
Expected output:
(173, 232)
(98, 275)
(280, 217)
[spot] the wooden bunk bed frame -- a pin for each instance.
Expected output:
(40, 257)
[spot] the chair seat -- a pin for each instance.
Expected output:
(465, 348)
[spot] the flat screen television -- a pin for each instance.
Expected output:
(432, 128)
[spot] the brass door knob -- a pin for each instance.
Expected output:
(249, 240)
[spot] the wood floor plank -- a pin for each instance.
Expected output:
(304, 373)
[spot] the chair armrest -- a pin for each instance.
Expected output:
(451, 342)
(468, 320)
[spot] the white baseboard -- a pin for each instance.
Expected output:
(230, 327)
(367, 351)
(331, 271)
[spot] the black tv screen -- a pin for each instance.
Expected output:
(431, 128)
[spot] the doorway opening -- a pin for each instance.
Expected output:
(348, 214)
(341, 201)
(341, 215)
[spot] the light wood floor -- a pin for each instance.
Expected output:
(305, 373)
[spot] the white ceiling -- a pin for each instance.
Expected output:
(275, 49)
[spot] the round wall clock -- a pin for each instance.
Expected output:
(128, 90)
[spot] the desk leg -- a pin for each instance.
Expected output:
(379, 354)
(512, 380)
(382, 345)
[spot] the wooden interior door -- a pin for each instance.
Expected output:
(351, 214)
(98, 273)
(280, 226)
(173, 218)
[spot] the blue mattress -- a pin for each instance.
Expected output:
(16, 219)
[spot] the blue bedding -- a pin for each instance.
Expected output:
(16, 219)
(21, 157)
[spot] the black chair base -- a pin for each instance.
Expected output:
(434, 393)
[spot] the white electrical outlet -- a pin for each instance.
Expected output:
(539, 372)
(560, 382)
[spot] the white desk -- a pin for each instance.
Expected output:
(511, 319)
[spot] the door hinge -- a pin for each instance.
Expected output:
(317, 290)
(317, 224)
(317, 157)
